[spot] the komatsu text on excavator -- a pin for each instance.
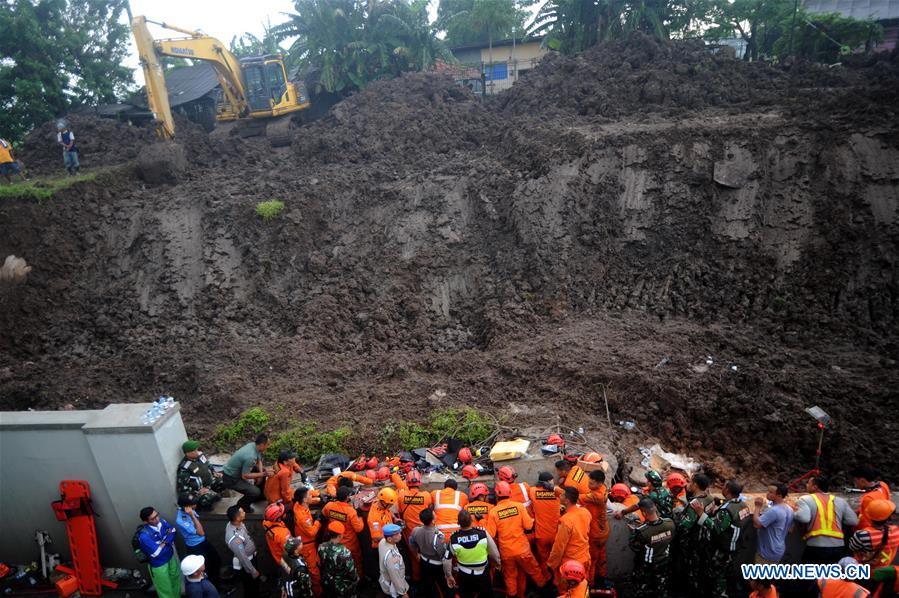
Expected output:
(254, 90)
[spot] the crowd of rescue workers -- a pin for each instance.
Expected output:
(547, 538)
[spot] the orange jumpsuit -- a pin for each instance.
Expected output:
(410, 502)
(521, 493)
(880, 492)
(447, 503)
(276, 533)
(579, 591)
(545, 507)
(307, 529)
(572, 542)
(378, 517)
(576, 478)
(278, 486)
(596, 502)
(507, 523)
(478, 510)
(353, 524)
(331, 484)
(630, 501)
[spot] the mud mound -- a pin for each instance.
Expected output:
(161, 163)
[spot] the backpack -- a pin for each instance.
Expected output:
(139, 553)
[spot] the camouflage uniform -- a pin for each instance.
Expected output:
(727, 526)
(298, 583)
(338, 571)
(659, 494)
(692, 547)
(651, 543)
(194, 475)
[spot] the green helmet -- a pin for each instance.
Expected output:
(291, 544)
(653, 477)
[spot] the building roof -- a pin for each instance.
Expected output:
(190, 83)
(878, 10)
(498, 43)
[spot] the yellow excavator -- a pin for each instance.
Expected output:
(255, 91)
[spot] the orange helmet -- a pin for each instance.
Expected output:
(503, 490)
(336, 527)
(573, 570)
(387, 496)
(371, 474)
(465, 455)
(413, 478)
(675, 480)
(383, 474)
(620, 491)
(556, 440)
(880, 510)
(591, 458)
(507, 474)
(275, 511)
(372, 463)
(470, 472)
(478, 489)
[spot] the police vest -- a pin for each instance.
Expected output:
(470, 547)
(825, 522)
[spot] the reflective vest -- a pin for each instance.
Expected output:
(825, 522)
(446, 513)
(520, 494)
(841, 588)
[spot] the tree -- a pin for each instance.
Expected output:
(759, 23)
(825, 37)
(250, 45)
(55, 54)
(480, 21)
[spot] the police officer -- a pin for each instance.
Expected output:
(727, 524)
(195, 477)
(651, 542)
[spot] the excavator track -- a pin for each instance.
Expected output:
(280, 131)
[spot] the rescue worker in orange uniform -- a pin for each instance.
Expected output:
(842, 588)
(478, 507)
(876, 544)
(381, 514)
(410, 502)
(343, 512)
(596, 503)
(762, 589)
(676, 483)
(865, 478)
(332, 483)
(276, 533)
(306, 527)
(446, 504)
(572, 540)
(507, 523)
(574, 577)
(546, 510)
(571, 474)
(620, 493)
(277, 487)
(520, 490)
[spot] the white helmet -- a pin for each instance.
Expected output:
(192, 563)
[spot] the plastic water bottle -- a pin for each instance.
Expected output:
(145, 418)
(170, 401)
(154, 413)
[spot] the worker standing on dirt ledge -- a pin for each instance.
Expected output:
(66, 139)
(8, 164)
(195, 477)
(238, 474)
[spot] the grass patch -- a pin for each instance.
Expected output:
(465, 424)
(42, 188)
(268, 210)
(250, 423)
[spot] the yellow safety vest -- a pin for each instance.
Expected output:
(825, 522)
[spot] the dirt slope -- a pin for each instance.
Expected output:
(516, 253)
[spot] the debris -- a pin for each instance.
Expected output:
(656, 458)
(14, 269)
(628, 425)
(664, 361)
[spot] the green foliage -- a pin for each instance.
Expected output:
(41, 189)
(55, 54)
(251, 45)
(250, 423)
(481, 21)
(825, 37)
(465, 424)
(268, 210)
(308, 443)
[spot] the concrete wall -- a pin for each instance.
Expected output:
(128, 466)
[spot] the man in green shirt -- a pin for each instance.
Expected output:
(238, 472)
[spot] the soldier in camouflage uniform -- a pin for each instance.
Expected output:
(336, 565)
(727, 524)
(657, 493)
(693, 542)
(651, 542)
(195, 476)
(297, 581)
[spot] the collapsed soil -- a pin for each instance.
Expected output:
(518, 254)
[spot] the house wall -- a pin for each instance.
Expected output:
(517, 60)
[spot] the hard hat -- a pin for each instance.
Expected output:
(478, 489)
(61, 125)
(573, 570)
(620, 491)
(371, 474)
(358, 464)
(413, 478)
(653, 477)
(275, 511)
(465, 455)
(675, 480)
(507, 474)
(880, 510)
(383, 474)
(503, 490)
(192, 563)
(372, 463)
(572, 458)
(387, 496)
(591, 458)
(470, 472)
(556, 440)
(292, 543)
(335, 527)
(391, 529)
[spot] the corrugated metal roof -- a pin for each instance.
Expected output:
(190, 83)
(878, 10)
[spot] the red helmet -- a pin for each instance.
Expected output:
(572, 458)
(675, 480)
(620, 491)
(372, 463)
(470, 472)
(383, 474)
(556, 440)
(413, 478)
(275, 511)
(503, 490)
(358, 464)
(507, 474)
(573, 570)
(478, 489)
(465, 455)
(591, 458)
(371, 474)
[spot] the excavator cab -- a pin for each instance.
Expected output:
(266, 83)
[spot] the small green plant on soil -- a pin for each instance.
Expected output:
(779, 303)
(268, 210)
(44, 188)
(250, 423)
(307, 442)
(464, 424)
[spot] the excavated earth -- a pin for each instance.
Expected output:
(714, 243)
